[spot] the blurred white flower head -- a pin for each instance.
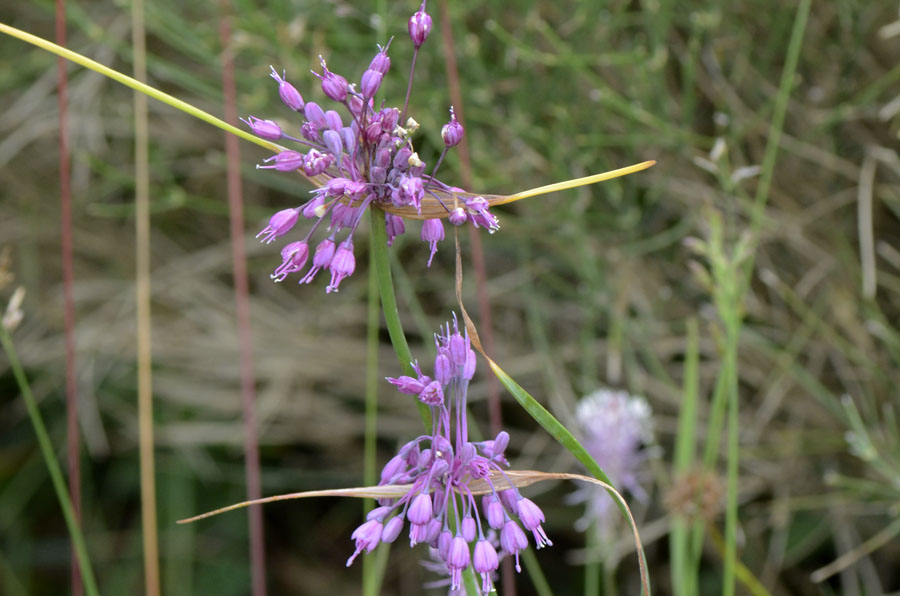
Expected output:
(615, 428)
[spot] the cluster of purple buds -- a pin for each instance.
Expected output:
(441, 509)
(363, 158)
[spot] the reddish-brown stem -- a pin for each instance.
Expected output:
(242, 307)
(65, 212)
(485, 330)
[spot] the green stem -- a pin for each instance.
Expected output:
(389, 303)
(592, 566)
(56, 476)
(733, 330)
(371, 579)
(683, 579)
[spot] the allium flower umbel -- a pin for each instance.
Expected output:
(360, 154)
(615, 427)
(440, 506)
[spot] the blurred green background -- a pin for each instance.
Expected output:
(589, 288)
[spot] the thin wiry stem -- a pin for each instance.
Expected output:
(242, 308)
(412, 70)
(65, 213)
(142, 282)
(56, 476)
(495, 416)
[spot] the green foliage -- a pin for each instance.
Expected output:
(589, 287)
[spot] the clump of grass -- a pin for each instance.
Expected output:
(596, 277)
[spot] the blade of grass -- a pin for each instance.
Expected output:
(777, 125)
(142, 283)
(242, 310)
(373, 568)
(389, 303)
(56, 476)
(135, 84)
(565, 438)
(683, 582)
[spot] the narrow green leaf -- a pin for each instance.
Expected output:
(565, 438)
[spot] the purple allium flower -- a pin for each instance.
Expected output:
(513, 540)
(532, 517)
(342, 265)
(439, 469)
(395, 227)
(265, 129)
(457, 560)
(315, 162)
(315, 114)
(452, 132)
(293, 258)
(432, 233)
(279, 225)
(485, 562)
(286, 161)
(334, 85)
(419, 26)
(370, 83)
(367, 537)
(289, 94)
(322, 258)
(364, 156)
(381, 62)
(615, 427)
(458, 216)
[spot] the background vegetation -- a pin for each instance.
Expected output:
(589, 288)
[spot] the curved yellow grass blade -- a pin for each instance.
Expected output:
(433, 209)
(500, 481)
(431, 206)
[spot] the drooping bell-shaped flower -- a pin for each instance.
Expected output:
(321, 259)
(342, 265)
(432, 233)
(293, 258)
(279, 225)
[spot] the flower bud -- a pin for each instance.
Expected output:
(333, 141)
(419, 26)
(265, 129)
(452, 132)
(458, 216)
(381, 63)
(333, 85)
(333, 120)
(289, 94)
(370, 83)
(392, 529)
(309, 131)
(395, 227)
(420, 509)
(316, 162)
(314, 114)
